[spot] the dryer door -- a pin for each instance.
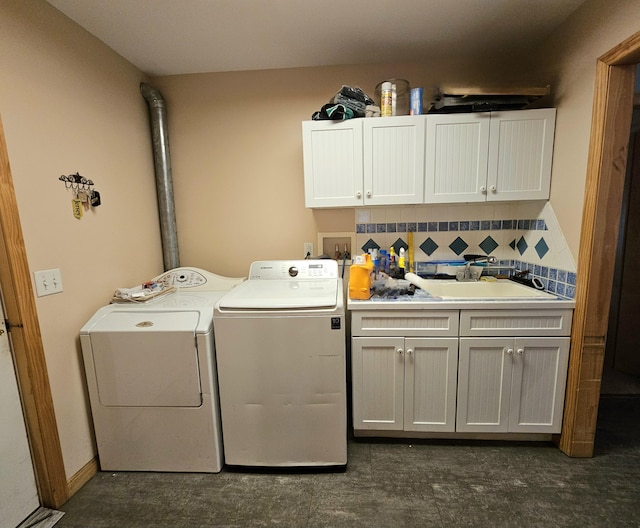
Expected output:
(147, 359)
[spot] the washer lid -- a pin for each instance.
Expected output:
(282, 294)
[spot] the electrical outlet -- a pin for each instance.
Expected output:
(48, 282)
(308, 249)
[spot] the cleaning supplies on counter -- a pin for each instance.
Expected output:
(393, 263)
(402, 263)
(384, 261)
(375, 258)
(360, 277)
(410, 257)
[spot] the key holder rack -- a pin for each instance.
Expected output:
(84, 195)
(77, 183)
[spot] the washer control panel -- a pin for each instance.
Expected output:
(294, 269)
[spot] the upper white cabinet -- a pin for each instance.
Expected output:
(332, 163)
(497, 156)
(393, 160)
(375, 161)
(457, 151)
(435, 158)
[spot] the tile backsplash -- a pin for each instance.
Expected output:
(522, 236)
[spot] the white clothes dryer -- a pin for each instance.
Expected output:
(280, 340)
(151, 375)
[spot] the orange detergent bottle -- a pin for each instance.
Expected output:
(360, 277)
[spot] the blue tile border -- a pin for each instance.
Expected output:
(454, 225)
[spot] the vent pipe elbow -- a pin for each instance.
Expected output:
(164, 183)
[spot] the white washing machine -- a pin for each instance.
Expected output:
(151, 375)
(280, 349)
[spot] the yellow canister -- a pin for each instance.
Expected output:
(360, 277)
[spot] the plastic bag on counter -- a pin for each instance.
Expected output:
(389, 288)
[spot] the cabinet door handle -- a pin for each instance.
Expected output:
(409, 351)
(483, 189)
(509, 351)
(358, 194)
(368, 194)
(520, 351)
(492, 188)
(400, 351)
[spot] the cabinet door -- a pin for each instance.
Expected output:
(332, 163)
(484, 384)
(538, 385)
(456, 155)
(394, 160)
(378, 382)
(520, 154)
(430, 376)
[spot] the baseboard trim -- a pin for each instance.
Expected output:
(83, 476)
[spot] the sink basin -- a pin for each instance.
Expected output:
(500, 289)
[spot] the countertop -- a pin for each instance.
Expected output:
(421, 300)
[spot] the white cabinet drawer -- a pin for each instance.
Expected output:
(409, 323)
(515, 322)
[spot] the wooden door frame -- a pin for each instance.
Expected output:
(31, 367)
(606, 170)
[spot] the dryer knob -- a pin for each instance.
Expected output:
(293, 271)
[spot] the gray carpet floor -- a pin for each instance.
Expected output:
(439, 484)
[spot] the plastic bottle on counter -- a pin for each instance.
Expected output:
(375, 257)
(360, 277)
(402, 263)
(393, 263)
(384, 261)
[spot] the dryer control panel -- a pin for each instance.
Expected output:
(294, 269)
(196, 279)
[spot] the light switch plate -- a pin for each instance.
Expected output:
(48, 282)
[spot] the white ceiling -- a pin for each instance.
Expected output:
(166, 37)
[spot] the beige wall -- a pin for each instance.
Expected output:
(569, 58)
(70, 104)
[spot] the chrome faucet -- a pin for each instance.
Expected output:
(469, 275)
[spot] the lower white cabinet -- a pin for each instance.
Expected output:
(511, 385)
(404, 384)
(459, 371)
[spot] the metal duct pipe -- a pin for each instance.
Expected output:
(164, 185)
